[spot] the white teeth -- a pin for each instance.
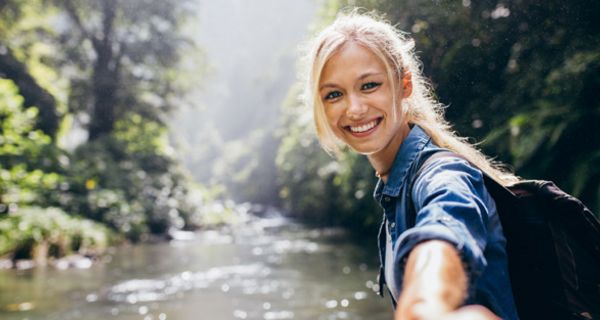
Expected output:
(364, 127)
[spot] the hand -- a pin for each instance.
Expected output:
(421, 309)
(435, 286)
(472, 312)
(434, 282)
(422, 312)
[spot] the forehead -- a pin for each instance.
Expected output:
(351, 61)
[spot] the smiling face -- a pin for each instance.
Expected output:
(358, 99)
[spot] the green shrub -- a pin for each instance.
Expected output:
(26, 227)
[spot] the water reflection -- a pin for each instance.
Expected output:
(268, 268)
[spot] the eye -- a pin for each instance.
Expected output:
(370, 86)
(332, 95)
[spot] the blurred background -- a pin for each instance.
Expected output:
(156, 161)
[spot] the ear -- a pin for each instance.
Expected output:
(407, 84)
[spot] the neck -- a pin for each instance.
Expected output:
(383, 160)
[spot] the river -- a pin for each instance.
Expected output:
(265, 268)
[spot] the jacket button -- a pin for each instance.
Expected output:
(392, 225)
(386, 199)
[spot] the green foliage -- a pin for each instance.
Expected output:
(116, 64)
(19, 139)
(558, 137)
(28, 57)
(129, 181)
(128, 63)
(27, 157)
(247, 167)
(63, 233)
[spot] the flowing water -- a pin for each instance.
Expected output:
(266, 268)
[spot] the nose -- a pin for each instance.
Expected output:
(356, 109)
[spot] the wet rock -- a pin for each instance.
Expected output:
(15, 307)
(180, 235)
(24, 264)
(74, 261)
(6, 264)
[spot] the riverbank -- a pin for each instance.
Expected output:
(33, 236)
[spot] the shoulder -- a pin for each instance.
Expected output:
(450, 173)
(443, 166)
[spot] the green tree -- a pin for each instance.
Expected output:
(27, 156)
(122, 65)
(130, 180)
(18, 21)
(123, 56)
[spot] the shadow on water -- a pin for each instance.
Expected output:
(264, 268)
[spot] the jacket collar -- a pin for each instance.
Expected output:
(409, 150)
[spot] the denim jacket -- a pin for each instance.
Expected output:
(451, 204)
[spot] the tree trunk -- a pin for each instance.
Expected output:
(106, 78)
(105, 82)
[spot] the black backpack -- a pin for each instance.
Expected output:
(553, 247)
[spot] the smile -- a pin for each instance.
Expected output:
(364, 128)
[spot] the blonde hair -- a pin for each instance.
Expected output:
(396, 51)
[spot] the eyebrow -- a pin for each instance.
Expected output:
(364, 75)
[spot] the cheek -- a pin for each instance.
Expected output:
(386, 105)
(332, 117)
(333, 120)
(384, 98)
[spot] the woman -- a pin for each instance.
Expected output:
(366, 90)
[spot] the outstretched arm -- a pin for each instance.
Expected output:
(435, 285)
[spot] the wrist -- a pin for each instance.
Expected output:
(435, 282)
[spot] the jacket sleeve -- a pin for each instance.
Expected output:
(453, 205)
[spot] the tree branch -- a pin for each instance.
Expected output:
(72, 12)
(34, 95)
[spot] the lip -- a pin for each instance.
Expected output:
(364, 133)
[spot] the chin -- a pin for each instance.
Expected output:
(364, 150)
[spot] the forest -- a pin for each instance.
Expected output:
(85, 158)
(87, 89)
